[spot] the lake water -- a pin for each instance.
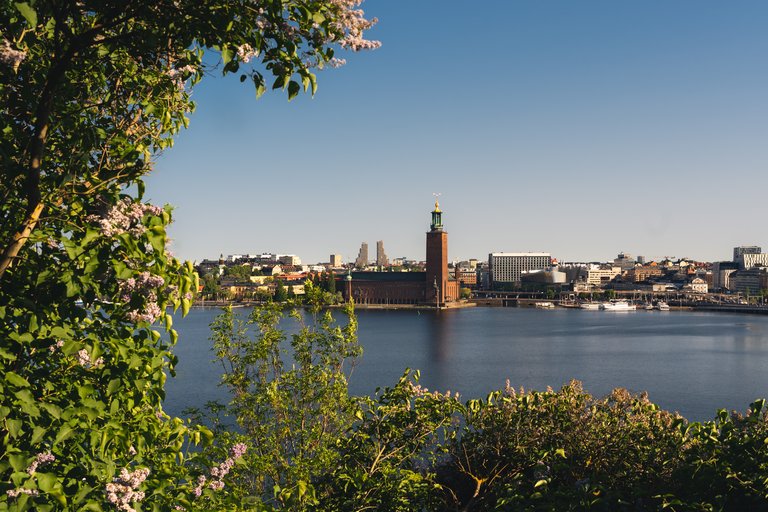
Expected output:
(689, 362)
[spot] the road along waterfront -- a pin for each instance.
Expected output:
(691, 362)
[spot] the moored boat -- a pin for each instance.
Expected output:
(618, 305)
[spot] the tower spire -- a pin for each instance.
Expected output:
(437, 215)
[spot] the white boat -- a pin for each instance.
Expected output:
(593, 306)
(619, 305)
(545, 305)
(662, 306)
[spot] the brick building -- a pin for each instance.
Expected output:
(434, 286)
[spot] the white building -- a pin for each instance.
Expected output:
(506, 267)
(750, 260)
(697, 285)
(597, 275)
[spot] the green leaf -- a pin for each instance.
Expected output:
(16, 380)
(46, 481)
(226, 55)
(14, 427)
(28, 12)
(65, 432)
(37, 434)
(540, 483)
(293, 89)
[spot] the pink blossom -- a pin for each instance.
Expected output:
(15, 492)
(40, 460)
(125, 217)
(122, 491)
(83, 359)
(245, 52)
(11, 56)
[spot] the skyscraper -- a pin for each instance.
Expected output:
(362, 256)
(381, 256)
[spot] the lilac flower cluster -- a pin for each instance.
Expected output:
(9, 56)
(40, 460)
(245, 52)
(178, 74)
(84, 359)
(13, 493)
(125, 217)
(146, 284)
(122, 491)
(421, 392)
(56, 346)
(219, 472)
(352, 23)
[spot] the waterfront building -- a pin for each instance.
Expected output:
(381, 256)
(696, 285)
(721, 273)
(434, 286)
(749, 282)
(506, 267)
(545, 276)
(362, 256)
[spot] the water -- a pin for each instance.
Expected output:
(689, 362)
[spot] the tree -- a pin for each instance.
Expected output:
(90, 93)
(281, 294)
(238, 272)
(211, 286)
(291, 415)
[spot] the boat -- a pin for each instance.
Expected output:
(593, 306)
(544, 305)
(619, 305)
(662, 306)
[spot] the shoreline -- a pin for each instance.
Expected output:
(714, 308)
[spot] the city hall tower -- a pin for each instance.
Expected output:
(437, 261)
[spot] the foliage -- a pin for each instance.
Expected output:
(90, 94)
(387, 458)
(239, 272)
(290, 408)
(465, 293)
(281, 294)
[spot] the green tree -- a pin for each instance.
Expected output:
(238, 272)
(90, 93)
(211, 288)
(465, 293)
(291, 416)
(281, 294)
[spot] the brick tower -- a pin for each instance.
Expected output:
(437, 259)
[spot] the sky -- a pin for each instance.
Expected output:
(582, 129)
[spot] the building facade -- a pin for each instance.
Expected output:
(506, 267)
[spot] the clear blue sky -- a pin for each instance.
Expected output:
(577, 128)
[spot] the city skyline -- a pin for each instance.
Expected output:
(579, 130)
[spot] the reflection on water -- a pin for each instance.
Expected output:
(691, 362)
